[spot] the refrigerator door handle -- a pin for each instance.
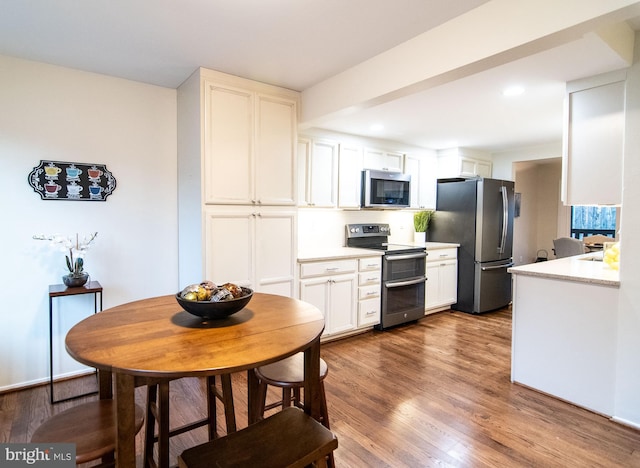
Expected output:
(505, 220)
(497, 267)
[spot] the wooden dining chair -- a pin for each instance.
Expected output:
(288, 374)
(158, 414)
(90, 426)
(290, 438)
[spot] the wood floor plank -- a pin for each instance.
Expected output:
(432, 393)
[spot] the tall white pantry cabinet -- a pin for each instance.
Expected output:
(237, 182)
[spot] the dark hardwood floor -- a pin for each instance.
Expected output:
(435, 393)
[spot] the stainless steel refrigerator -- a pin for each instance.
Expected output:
(478, 215)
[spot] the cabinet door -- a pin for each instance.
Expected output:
(593, 146)
(342, 310)
(483, 168)
(276, 141)
(349, 176)
(323, 174)
(432, 286)
(304, 171)
(229, 247)
(423, 186)
(275, 252)
(382, 160)
(449, 282)
(442, 284)
(315, 291)
(228, 152)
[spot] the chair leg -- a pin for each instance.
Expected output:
(286, 397)
(163, 424)
(211, 407)
(150, 424)
(227, 400)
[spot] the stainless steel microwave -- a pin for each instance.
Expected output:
(382, 189)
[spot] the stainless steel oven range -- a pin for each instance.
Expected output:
(403, 273)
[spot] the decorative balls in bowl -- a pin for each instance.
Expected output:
(210, 301)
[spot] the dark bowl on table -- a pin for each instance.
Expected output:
(216, 310)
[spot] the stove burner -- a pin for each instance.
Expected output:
(376, 236)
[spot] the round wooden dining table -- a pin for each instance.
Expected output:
(155, 338)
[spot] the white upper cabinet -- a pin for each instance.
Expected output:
(383, 160)
(423, 183)
(349, 176)
(249, 146)
(318, 176)
(593, 140)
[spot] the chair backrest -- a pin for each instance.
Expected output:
(568, 247)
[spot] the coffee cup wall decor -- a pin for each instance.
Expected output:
(59, 180)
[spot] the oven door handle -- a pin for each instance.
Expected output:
(391, 258)
(397, 284)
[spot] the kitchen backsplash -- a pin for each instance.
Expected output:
(320, 229)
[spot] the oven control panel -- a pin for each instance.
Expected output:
(368, 230)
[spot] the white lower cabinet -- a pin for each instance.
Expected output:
(252, 247)
(442, 279)
(347, 291)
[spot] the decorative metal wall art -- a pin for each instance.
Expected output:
(57, 180)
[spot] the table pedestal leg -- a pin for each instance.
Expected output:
(125, 410)
(312, 400)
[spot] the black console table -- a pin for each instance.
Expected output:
(60, 290)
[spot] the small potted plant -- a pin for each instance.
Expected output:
(75, 257)
(421, 221)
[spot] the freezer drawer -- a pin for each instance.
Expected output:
(492, 286)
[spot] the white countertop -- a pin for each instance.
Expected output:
(332, 253)
(580, 268)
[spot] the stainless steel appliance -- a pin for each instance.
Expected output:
(382, 189)
(403, 273)
(478, 215)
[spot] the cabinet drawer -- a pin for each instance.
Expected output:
(369, 264)
(442, 254)
(332, 267)
(369, 312)
(369, 277)
(368, 292)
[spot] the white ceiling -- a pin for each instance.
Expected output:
(297, 44)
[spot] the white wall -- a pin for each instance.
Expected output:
(54, 113)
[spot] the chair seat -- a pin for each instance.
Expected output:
(288, 372)
(91, 426)
(289, 438)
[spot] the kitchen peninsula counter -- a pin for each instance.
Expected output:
(564, 330)
(587, 268)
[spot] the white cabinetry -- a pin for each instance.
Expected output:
(318, 173)
(382, 160)
(236, 165)
(369, 282)
(252, 247)
(463, 162)
(593, 140)
(249, 146)
(332, 286)
(442, 279)
(349, 176)
(423, 184)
